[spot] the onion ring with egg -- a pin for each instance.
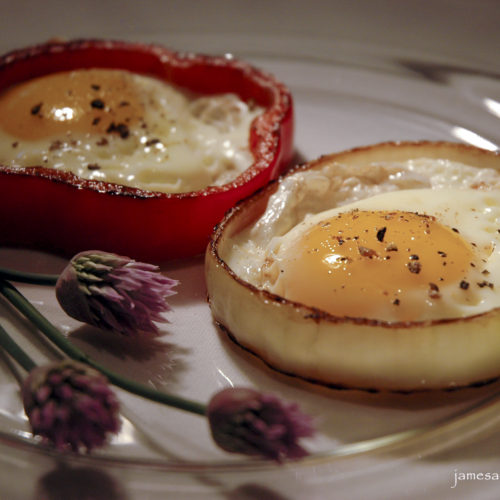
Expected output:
(348, 351)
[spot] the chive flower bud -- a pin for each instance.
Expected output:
(114, 292)
(70, 405)
(243, 420)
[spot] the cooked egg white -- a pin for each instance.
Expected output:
(125, 128)
(398, 256)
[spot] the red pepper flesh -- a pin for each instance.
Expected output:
(53, 210)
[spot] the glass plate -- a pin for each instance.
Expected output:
(345, 95)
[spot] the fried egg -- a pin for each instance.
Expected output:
(410, 255)
(126, 128)
(376, 268)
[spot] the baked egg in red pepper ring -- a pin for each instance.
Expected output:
(377, 268)
(132, 148)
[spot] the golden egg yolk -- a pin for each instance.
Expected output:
(93, 101)
(372, 264)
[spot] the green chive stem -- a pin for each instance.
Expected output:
(15, 297)
(26, 277)
(15, 351)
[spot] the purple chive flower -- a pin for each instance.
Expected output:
(70, 405)
(114, 292)
(245, 421)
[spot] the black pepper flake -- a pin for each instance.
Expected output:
(484, 284)
(455, 230)
(414, 256)
(443, 254)
(94, 86)
(121, 129)
(485, 272)
(396, 302)
(434, 291)
(464, 285)
(367, 252)
(36, 109)
(152, 142)
(96, 120)
(124, 103)
(15, 144)
(55, 145)
(381, 234)
(97, 104)
(414, 267)
(102, 142)
(391, 247)
(93, 166)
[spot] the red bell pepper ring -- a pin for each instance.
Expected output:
(54, 210)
